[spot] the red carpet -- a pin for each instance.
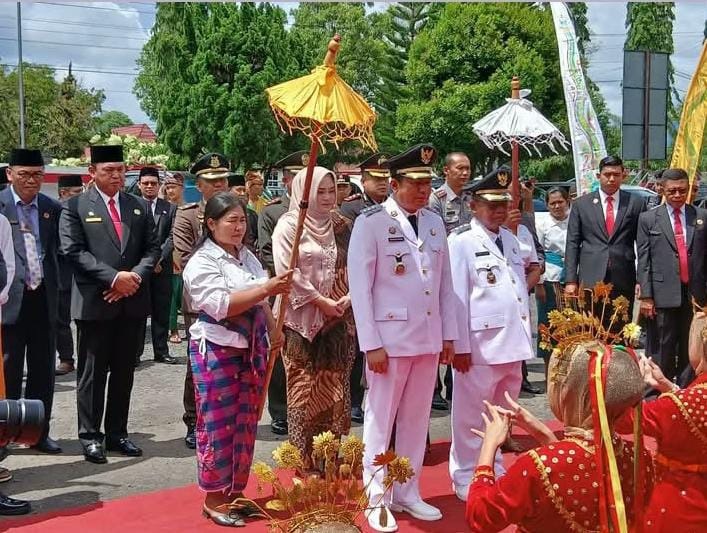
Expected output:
(179, 510)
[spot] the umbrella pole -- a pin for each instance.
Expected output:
(277, 334)
(515, 163)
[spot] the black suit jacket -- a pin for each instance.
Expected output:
(698, 259)
(164, 218)
(658, 264)
(90, 242)
(590, 254)
(49, 211)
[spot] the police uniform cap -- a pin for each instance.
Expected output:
(26, 157)
(69, 180)
(343, 179)
(375, 166)
(414, 163)
(493, 187)
(149, 171)
(211, 166)
(107, 153)
(293, 162)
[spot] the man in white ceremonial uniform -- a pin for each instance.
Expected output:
(402, 298)
(489, 269)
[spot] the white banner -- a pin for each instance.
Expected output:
(588, 146)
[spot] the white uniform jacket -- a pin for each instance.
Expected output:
(492, 296)
(400, 285)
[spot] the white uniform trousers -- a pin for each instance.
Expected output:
(406, 390)
(481, 382)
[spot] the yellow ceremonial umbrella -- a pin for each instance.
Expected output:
(324, 107)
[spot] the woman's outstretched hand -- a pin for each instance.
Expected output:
(280, 284)
(498, 423)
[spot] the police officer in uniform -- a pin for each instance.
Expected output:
(69, 186)
(271, 213)
(405, 311)
(489, 268)
(374, 178)
(452, 203)
(212, 172)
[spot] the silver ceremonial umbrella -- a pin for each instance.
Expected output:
(516, 124)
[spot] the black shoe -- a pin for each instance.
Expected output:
(439, 403)
(93, 453)
(11, 506)
(279, 427)
(167, 359)
(190, 439)
(47, 445)
(527, 386)
(137, 362)
(125, 446)
(357, 415)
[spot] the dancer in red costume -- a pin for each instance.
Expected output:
(678, 421)
(563, 485)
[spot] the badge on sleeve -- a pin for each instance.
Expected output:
(137, 211)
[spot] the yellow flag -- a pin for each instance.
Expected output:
(688, 145)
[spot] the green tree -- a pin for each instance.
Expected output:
(58, 116)
(108, 120)
(460, 69)
(203, 76)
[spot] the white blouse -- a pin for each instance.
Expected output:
(211, 275)
(552, 234)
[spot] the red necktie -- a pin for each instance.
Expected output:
(609, 215)
(682, 247)
(115, 217)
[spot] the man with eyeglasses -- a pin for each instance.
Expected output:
(163, 214)
(30, 314)
(665, 243)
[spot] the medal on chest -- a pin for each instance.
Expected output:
(490, 277)
(399, 268)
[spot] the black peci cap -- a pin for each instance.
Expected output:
(69, 180)
(24, 157)
(149, 171)
(107, 153)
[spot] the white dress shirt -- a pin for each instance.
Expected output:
(210, 277)
(7, 249)
(671, 214)
(603, 196)
(106, 199)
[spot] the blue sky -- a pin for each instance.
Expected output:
(103, 41)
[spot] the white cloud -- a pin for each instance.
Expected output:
(94, 36)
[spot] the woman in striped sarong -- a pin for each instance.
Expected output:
(319, 330)
(227, 352)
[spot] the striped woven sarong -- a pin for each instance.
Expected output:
(227, 391)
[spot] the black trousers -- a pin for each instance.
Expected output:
(188, 398)
(32, 336)
(64, 339)
(160, 300)
(277, 392)
(672, 330)
(106, 356)
(447, 383)
(356, 379)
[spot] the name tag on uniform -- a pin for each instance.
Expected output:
(480, 254)
(93, 219)
(396, 239)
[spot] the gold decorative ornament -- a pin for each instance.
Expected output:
(502, 178)
(214, 162)
(427, 155)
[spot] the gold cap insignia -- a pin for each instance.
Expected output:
(426, 155)
(305, 159)
(382, 160)
(502, 178)
(214, 163)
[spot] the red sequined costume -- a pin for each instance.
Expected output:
(553, 488)
(678, 421)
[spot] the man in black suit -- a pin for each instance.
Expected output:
(665, 244)
(29, 316)
(601, 234)
(109, 237)
(69, 186)
(161, 280)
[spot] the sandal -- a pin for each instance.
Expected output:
(175, 338)
(229, 518)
